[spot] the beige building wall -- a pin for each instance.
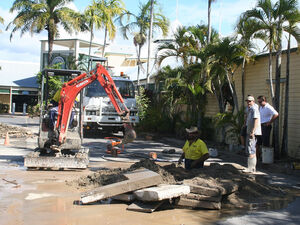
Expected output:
(256, 83)
(115, 60)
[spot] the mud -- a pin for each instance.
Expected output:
(99, 178)
(14, 131)
(253, 191)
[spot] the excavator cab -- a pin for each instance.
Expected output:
(70, 154)
(48, 114)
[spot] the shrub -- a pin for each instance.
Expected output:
(142, 103)
(4, 108)
(232, 123)
(33, 110)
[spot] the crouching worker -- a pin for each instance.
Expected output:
(195, 151)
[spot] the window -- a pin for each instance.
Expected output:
(125, 88)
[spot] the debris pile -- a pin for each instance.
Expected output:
(14, 131)
(212, 187)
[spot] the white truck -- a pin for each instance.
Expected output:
(99, 113)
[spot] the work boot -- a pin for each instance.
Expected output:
(251, 164)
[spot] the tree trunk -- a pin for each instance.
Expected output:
(284, 147)
(149, 43)
(51, 35)
(277, 95)
(243, 82)
(270, 73)
(90, 47)
(208, 21)
(233, 92)
(235, 99)
(139, 68)
(50, 47)
(220, 100)
(104, 44)
(221, 97)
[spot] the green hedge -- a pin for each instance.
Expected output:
(4, 108)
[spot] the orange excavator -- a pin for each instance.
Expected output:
(61, 147)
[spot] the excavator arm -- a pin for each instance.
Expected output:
(71, 89)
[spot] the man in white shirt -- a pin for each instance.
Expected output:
(253, 129)
(267, 116)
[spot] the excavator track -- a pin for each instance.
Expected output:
(36, 160)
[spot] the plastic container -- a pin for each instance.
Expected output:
(267, 155)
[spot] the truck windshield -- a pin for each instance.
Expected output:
(125, 88)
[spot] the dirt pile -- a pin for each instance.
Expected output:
(14, 131)
(252, 190)
(151, 165)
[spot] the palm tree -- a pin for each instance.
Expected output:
(93, 18)
(179, 48)
(36, 16)
(139, 24)
(262, 19)
(270, 18)
(244, 31)
(292, 30)
(283, 10)
(189, 46)
(1, 21)
(208, 19)
(228, 54)
(110, 9)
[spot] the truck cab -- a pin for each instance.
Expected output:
(99, 114)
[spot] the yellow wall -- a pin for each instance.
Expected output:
(256, 83)
(4, 98)
(212, 107)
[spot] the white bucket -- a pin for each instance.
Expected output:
(267, 155)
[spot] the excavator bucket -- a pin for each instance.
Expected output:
(129, 134)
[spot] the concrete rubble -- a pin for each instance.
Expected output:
(136, 180)
(149, 186)
(14, 131)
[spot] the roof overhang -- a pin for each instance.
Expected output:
(70, 43)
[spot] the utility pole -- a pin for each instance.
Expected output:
(149, 42)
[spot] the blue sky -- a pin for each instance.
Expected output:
(190, 12)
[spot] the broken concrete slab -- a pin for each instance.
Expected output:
(211, 187)
(137, 179)
(162, 192)
(203, 197)
(125, 197)
(208, 191)
(198, 204)
(148, 207)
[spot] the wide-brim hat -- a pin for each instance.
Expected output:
(250, 98)
(191, 129)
